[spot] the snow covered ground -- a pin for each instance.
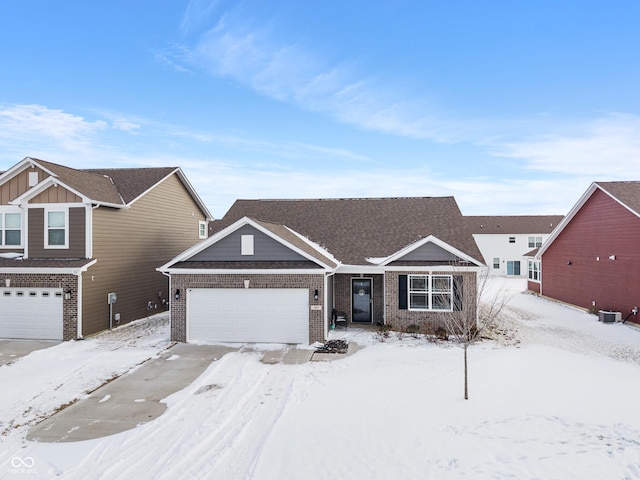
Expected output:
(556, 398)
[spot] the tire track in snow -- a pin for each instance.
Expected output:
(217, 427)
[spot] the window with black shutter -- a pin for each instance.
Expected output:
(402, 292)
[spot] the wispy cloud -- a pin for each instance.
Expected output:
(608, 147)
(253, 53)
(41, 125)
(37, 130)
(221, 178)
(197, 15)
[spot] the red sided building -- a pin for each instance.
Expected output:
(592, 259)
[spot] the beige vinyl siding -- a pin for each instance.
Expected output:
(19, 184)
(129, 244)
(77, 235)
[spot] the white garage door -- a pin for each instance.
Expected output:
(34, 313)
(261, 315)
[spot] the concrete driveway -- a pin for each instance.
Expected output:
(11, 350)
(131, 399)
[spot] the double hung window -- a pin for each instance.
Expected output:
(430, 292)
(535, 242)
(10, 229)
(56, 228)
(534, 270)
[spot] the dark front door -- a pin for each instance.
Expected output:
(361, 300)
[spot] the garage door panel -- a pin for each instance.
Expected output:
(269, 315)
(32, 313)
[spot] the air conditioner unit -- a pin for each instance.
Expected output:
(609, 317)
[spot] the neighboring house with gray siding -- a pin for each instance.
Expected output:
(71, 241)
(277, 271)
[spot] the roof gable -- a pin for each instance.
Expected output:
(113, 187)
(228, 248)
(627, 194)
(273, 244)
(357, 229)
(430, 250)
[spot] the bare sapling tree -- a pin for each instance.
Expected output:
(477, 308)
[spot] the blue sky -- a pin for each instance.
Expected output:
(511, 107)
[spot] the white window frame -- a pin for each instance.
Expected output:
(202, 230)
(429, 292)
(3, 227)
(496, 263)
(64, 210)
(535, 242)
(534, 270)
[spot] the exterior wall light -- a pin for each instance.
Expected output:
(315, 294)
(177, 295)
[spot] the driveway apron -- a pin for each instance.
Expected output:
(129, 400)
(11, 350)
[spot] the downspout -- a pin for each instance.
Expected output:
(79, 304)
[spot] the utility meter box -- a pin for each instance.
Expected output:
(112, 298)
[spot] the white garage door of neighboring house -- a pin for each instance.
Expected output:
(261, 315)
(34, 313)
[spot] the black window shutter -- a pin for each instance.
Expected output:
(457, 293)
(402, 292)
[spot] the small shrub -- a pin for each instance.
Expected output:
(384, 331)
(441, 333)
(413, 330)
(594, 310)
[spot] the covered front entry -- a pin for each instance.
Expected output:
(31, 313)
(240, 315)
(361, 300)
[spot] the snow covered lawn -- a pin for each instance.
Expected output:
(558, 399)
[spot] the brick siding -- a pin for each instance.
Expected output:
(66, 282)
(402, 318)
(183, 282)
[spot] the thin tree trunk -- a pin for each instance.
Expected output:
(466, 380)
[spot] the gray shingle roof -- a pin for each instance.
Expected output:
(627, 192)
(117, 186)
(44, 263)
(92, 185)
(133, 182)
(514, 224)
(354, 229)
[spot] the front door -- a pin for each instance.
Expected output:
(361, 300)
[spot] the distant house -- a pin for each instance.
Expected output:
(282, 271)
(79, 248)
(505, 240)
(592, 259)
